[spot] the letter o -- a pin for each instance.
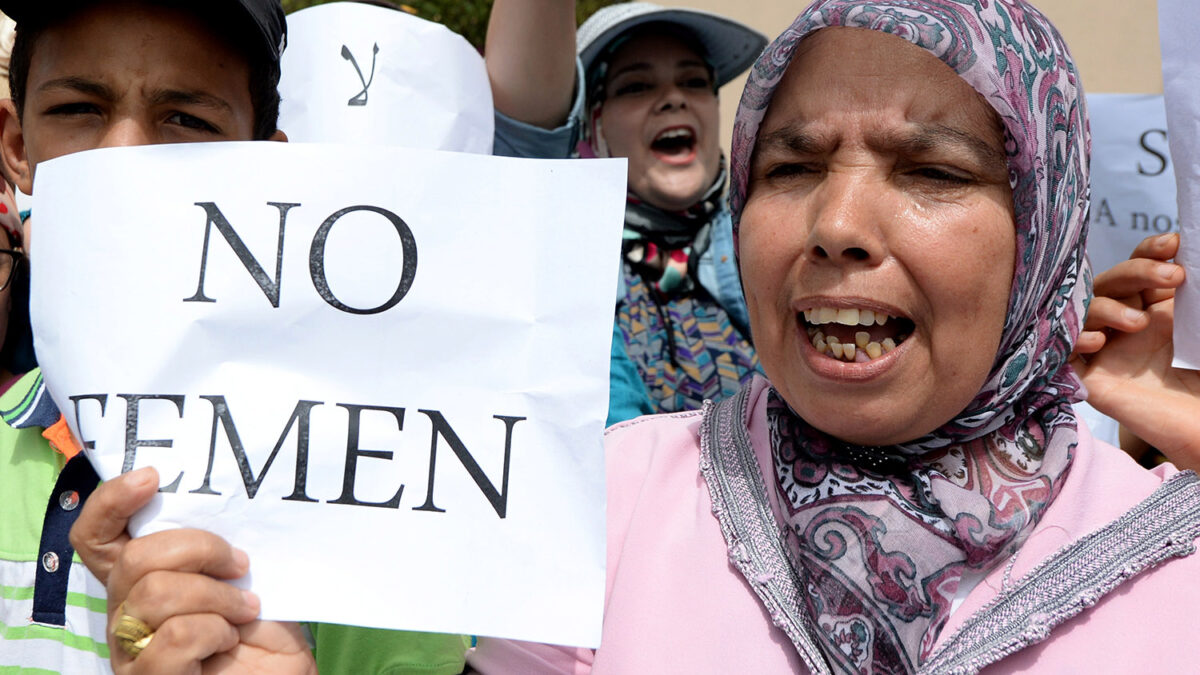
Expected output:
(1168, 224)
(316, 260)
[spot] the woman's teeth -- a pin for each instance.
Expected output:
(677, 140)
(863, 348)
(846, 317)
(862, 345)
(674, 134)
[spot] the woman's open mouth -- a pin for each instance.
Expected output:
(675, 145)
(856, 335)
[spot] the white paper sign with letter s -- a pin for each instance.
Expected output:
(1133, 181)
(1179, 31)
(383, 373)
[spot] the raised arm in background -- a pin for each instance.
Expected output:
(530, 56)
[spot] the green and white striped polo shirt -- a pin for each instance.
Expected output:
(29, 469)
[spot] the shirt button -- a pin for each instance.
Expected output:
(724, 258)
(69, 500)
(50, 562)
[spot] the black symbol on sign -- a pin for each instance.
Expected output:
(361, 97)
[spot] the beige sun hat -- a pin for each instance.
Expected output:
(731, 46)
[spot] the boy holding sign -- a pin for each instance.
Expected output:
(88, 75)
(202, 71)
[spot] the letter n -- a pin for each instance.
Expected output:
(497, 498)
(269, 287)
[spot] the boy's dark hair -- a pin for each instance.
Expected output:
(239, 36)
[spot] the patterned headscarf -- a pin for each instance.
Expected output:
(882, 551)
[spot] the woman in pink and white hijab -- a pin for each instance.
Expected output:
(910, 491)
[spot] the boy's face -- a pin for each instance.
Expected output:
(125, 74)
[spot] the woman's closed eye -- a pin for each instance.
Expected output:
(790, 170)
(940, 174)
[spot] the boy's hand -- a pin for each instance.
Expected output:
(173, 582)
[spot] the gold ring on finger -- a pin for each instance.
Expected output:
(132, 633)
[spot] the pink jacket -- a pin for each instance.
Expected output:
(675, 604)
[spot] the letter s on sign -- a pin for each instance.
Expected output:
(1163, 162)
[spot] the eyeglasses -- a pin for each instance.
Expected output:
(10, 260)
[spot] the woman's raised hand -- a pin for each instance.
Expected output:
(1123, 293)
(1125, 360)
(530, 57)
(173, 584)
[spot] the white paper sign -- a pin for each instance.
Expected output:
(356, 73)
(1133, 182)
(1179, 31)
(425, 335)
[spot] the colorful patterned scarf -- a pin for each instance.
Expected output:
(884, 536)
(665, 247)
(685, 346)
